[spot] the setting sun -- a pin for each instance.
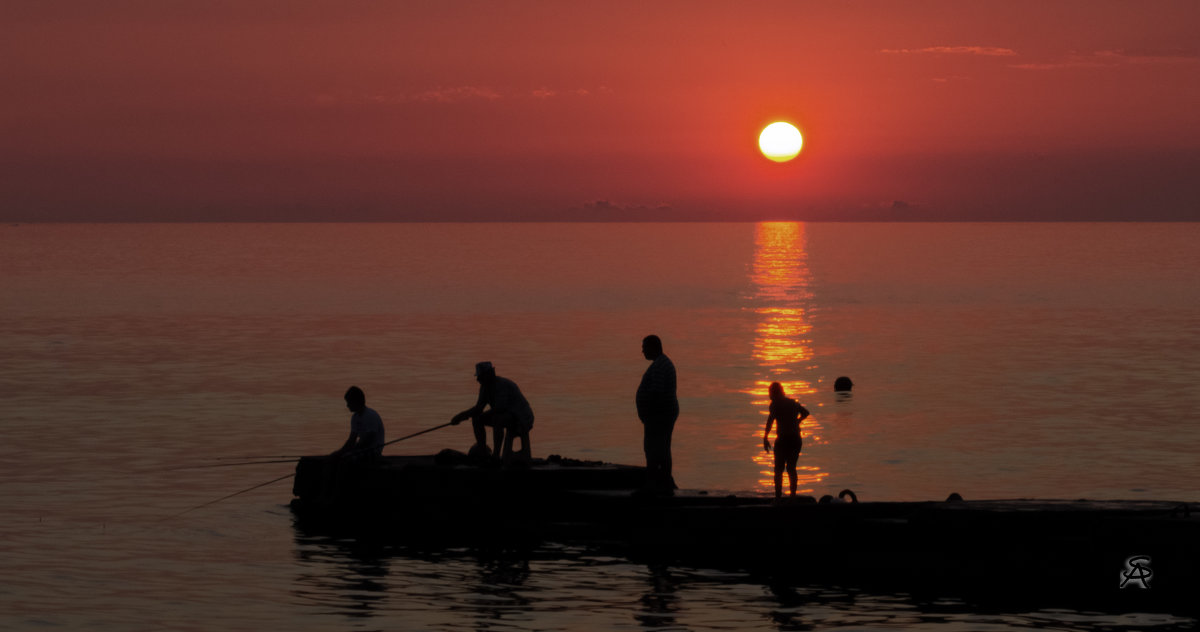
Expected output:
(780, 141)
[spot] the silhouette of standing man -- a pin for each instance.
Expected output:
(658, 408)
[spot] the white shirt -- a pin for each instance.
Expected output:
(368, 425)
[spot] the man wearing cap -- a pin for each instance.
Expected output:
(508, 410)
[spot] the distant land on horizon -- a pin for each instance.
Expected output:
(1112, 186)
(624, 221)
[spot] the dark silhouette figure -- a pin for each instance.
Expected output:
(366, 428)
(657, 408)
(508, 414)
(842, 385)
(789, 413)
(954, 497)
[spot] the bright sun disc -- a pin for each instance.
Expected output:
(780, 141)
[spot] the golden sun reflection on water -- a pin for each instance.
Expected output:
(782, 348)
(778, 343)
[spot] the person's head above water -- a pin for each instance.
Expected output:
(775, 390)
(652, 347)
(842, 384)
(356, 400)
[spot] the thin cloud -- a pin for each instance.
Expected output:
(549, 93)
(1114, 58)
(450, 95)
(458, 94)
(984, 51)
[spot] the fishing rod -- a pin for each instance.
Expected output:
(448, 423)
(252, 460)
(258, 456)
(213, 502)
(201, 467)
(248, 489)
(415, 434)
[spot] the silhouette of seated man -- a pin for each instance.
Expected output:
(366, 429)
(789, 413)
(508, 414)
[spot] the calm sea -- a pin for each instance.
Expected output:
(992, 360)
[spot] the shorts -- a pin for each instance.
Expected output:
(787, 448)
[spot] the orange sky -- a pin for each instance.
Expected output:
(298, 110)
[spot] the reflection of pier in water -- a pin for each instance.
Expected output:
(782, 349)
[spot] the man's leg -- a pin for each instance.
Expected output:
(668, 477)
(502, 434)
(526, 452)
(648, 448)
(485, 419)
(507, 452)
(477, 424)
(657, 446)
(497, 439)
(518, 430)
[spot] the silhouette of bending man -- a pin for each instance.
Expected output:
(658, 408)
(366, 428)
(509, 414)
(789, 413)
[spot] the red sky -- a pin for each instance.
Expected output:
(347, 110)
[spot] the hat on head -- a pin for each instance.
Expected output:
(484, 367)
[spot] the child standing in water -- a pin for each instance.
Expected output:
(789, 413)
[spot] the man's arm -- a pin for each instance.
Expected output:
(349, 445)
(464, 415)
(767, 431)
(473, 411)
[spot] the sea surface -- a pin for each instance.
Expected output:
(1040, 360)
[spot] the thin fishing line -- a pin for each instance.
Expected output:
(213, 502)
